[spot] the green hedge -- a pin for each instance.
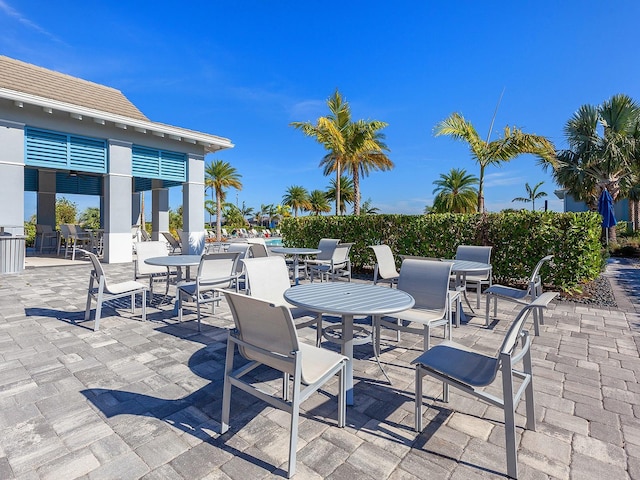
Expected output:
(519, 239)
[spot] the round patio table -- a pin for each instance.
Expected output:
(348, 299)
(177, 261)
(296, 252)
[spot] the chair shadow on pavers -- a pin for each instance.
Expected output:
(198, 413)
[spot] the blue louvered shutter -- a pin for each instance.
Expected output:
(44, 148)
(173, 166)
(158, 164)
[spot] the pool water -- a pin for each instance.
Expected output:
(273, 242)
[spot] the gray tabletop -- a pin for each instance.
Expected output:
(295, 250)
(467, 266)
(343, 298)
(175, 260)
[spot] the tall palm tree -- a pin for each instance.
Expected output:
(532, 195)
(297, 198)
(220, 175)
(366, 152)
(456, 192)
(318, 202)
(347, 193)
(603, 153)
(514, 142)
(354, 145)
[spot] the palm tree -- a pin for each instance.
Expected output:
(318, 202)
(220, 175)
(365, 153)
(246, 212)
(297, 198)
(455, 192)
(354, 145)
(532, 195)
(367, 208)
(603, 153)
(347, 193)
(485, 153)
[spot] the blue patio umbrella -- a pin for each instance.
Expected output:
(605, 208)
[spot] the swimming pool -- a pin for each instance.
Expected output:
(273, 242)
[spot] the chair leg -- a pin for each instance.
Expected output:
(226, 391)
(198, 309)
(342, 395)
(96, 324)
(418, 399)
(144, 305)
(509, 420)
(295, 414)
(426, 341)
(529, 398)
(487, 310)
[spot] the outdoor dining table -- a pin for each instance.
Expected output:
(296, 252)
(177, 261)
(347, 300)
(462, 268)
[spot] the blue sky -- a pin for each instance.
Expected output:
(246, 69)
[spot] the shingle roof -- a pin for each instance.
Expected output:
(31, 79)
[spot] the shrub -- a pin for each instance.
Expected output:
(519, 239)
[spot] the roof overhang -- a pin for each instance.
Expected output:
(211, 143)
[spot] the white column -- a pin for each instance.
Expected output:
(159, 209)
(12, 177)
(118, 243)
(193, 206)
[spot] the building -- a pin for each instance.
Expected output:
(570, 204)
(64, 135)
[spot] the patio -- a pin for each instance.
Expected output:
(143, 400)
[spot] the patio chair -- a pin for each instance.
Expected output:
(268, 278)
(144, 235)
(258, 247)
(476, 253)
(102, 291)
(244, 251)
(469, 370)
(215, 271)
(46, 233)
(338, 266)
(385, 269)
(266, 335)
(326, 247)
(173, 243)
(154, 272)
(74, 238)
(520, 296)
(427, 282)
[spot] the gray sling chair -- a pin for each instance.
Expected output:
(268, 278)
(266, 335)
(215, 271)
(469, 370)
(326, 247)
(173, 243)
(339, 265)
(385, 269)
(520, 296)
(475, 253)
(102, 291)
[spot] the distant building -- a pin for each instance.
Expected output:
(570, 204)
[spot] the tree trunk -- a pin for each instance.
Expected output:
(481, 190)
(356, 192)
(218, 217)
(337, 187)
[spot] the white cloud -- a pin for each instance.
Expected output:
(12, 12)
(501, 179)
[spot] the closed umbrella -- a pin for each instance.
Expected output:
(605, 208)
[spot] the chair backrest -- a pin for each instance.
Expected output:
(146, 250)
(474, 253)
(98, 271)
(171, 239)
(536, 271)
(385, 262)
(242, 248)
(327, 246)
(265, 326)
(44, 228)
(512, 336)
(258, 250)
(427, 281)
(267, 278)
(145, 235)
(217, 269)
(341, 253)
(65, 231)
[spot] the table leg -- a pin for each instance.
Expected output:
(461, 286)
(296, 273)
(347, 351)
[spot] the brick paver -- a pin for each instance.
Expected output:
(143, 399)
